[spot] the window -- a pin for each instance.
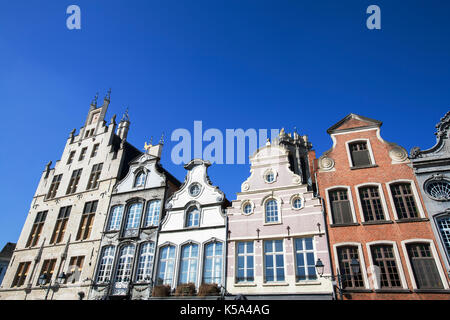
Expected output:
(193, 217)
(140, 179)
(21, 274)
(371, 203)
(152, 214)
(383, 257)
(359, 154)
(245, 262)
(345, 256)
(271, 211)
(424, 266)
(125, 263)
(74, 270)
(273, 260)
(105, 265)
(54, 186)
(71, 156)
(304, 256)
(36, 229)
(340, 206)
(269, 177)
(47, 270)
(166, 265)
(115, 218)
(404, 202)
(247, 208)
(89, 133)
(95, 175)
(94, 150)
(133, 216)
(73, 183)
(145, 263)
(212, 272)
(439, 189)
(444, 229)
(188, 263)
(87, 220)
(297, 203)
(61, 224)
(82, 154)
(194, 190)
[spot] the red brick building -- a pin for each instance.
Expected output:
(376, 218)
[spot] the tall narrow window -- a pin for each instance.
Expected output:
(36, 229)
(245, 262)
(74, 269)
(105, 264)
(95, 175)
(21, 274)
(61, 224)
(54, 186)
(73, 183)
(405, 205)
(152, 214)
(82, 154)
(48, 266)
(188, 264)
(133, 216)
(87, 220)
(140, 179)
(359, 154)
(383, 257)
(424, 266)
(193, 217)
(444, 229)
(305, 262)
(94, 150)
(212, 272)
(273, 260)
(271, 211)
(371, 203)
(71, 156)
(350, 279)
(125, 264)
(115, 218)
(166, 265)
(145, 263)
(340, 206)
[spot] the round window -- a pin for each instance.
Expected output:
(248, 208)
(194, 190)
(270, 177)
(439, 189)
(297, 203)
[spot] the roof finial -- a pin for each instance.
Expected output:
(161, 141)
(125, 116)
(94, 102)
(108, 95)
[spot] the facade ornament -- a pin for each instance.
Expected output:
(147, 147)
(161, 140)
(398, 154)
(125, 116)
(415, 152)
(108, 95)
(326, 163)
(94, 101)
(245, 186)
(113, 119)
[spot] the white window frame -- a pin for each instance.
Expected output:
(244, 204)
(146, 213)
(246, 254)
(279, 203)
(435, 257)
(415, 193)
(297, 196)
(314, 251)
(175, 263)
(387, 215)
(202, 260)
(350, 198)
(274, 266)
(147, 255)
(349, 154)
(362, 260)
(179, 262)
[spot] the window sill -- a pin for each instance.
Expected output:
(250, 284)
(392, 291)
(308, 283)
(432, 291)
(412, 220)
(271, 223)
(364, 167)
(368, 223)
(344, 224)
(275, 284)
(356, 291)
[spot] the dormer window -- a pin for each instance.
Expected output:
(359, 152)
(140, 179)
(193, 217)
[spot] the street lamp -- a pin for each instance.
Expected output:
(43, 280)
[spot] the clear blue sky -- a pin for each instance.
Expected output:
(232, 64)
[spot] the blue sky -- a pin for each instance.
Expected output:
(232, 64)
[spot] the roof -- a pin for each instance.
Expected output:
(354, 121)
(8, 250)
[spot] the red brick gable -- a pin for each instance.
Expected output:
(354, 123)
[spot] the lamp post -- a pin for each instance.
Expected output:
(59, 280)
(354, 266)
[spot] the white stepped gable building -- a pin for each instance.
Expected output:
(192, 239)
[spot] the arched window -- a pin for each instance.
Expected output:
(444, 229)
(166, 265)
(115, 218)
(212, 272)
(271, 211)
(125, 264)
(152, 214)
(189, 262)
(140, 179)
(133, 216)
(145, 263)
(105, 264)
(193, 217)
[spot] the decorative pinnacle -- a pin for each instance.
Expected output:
(161, 141)
(108, 95)
(94, 102)
(125, 116)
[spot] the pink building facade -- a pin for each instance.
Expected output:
(276, 229)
